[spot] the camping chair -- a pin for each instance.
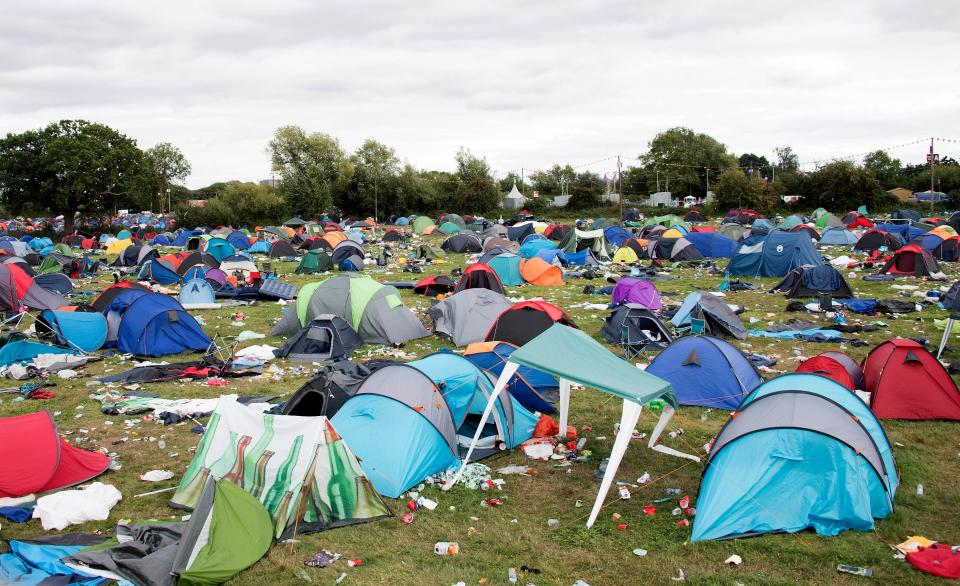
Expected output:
(697, 326)
(947, 330)
(637, 344)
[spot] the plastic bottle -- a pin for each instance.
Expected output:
(512, 575)
(919, 490)
(446, 548)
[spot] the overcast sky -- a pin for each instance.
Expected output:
(526, 84)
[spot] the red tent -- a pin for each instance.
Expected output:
(480, 275)
(434, 285)
(525, 321)
(36, 459)
(907, 382)
(828, 367)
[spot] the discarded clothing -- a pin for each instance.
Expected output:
(810, 335)
(116, 403)
(16, 514)
(209, 366)
(863, 306)
(37, 561)
(71, 507)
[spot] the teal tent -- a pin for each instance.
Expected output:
(573, 356)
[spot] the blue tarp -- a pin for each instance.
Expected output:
(24, 351)
(905, 232)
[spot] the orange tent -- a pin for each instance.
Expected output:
(539, 272)
(334, 238)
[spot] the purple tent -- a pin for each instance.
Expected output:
(216, 275)
(630, 290)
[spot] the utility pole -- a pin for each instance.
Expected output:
(523, 189)
(932, 158)
(658, 180)
(620, 186)
(708, 179)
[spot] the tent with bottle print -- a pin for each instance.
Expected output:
(299, 468)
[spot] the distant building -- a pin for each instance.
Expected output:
(660, 199)
(611, 197)
(514, 200)
(560, 201)
(270, 183)
(901, 193)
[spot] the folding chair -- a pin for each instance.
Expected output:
(697, 326)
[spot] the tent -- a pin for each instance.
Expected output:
(348, 256)
(38, 561)
(157, 325)
(877, 240)
(239, 266)
(454, 219)
(375, 311)
(299, 468)
(534, 389)
(392, 236)
(314, 261)
(158, 271)
(102, 302)
(835, 368)
(911, 260)
(219, 248)
(18, 289)
(537, 271)
(525, 321)
(829, 221)
(326, 337)
(773, 256)
(573, 356)
(809, 281)
(117, 246)
(409, 421)
(716, 315)
(712, 244)
(282, 249)
(480, 276)
(327, 390)
(674, 249)
(905, 232)
(530, 248)
(462, 242)
(638, 291)
(805, 436)
(429, 252)
(421, 223)
(790, 221)
(838, 237)
(56, 282)
(197, 293)
(907, 382)
(449, 228)
(85, 331)
(433, 285)
(35, 459)
(133, 256)
(507, 267)
(625, 254)
(948, 250)
(239, 240)
(468, 315)
(706, 372)
(634, 326)
(810, 232)
(593, 240)
(734, 231)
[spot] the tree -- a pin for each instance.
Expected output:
(844, 186)
(787, 160)
(68, 167)
(375, 169)
(686, 158)
(735, 189)
(554, 181)
(885, 168)
(585, 191)
(312, 168)
(239, 204)
(164, 164)
(476, 189)
(754, 164)
(509, 180)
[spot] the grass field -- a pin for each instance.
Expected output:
(516, 533)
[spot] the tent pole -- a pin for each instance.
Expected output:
(564, 406)
(628, 421)
(505, 375)
(947, 330)
(665, 418)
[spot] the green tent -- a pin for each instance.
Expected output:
(298, 468)
(571, 355)
(454, 219)
(828, 220)
(294, 222)
(450, 228)
(431, 252)
(314, 261)
(421, 223)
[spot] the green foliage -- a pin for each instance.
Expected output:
(735, 189)
(239, 204)
(476, 190)
(313, 169)
(759, 163)
(787, 160)
(842, 186)
(553, 182)
(68, 167)
(685, 157)
(585, 191)
(376, 170)
(885, 168)
(512, 178)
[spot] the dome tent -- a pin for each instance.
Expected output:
(462, 242)
(433, 285)
(536, 390)
(907, 382)
(375, 311)
(774, 255)
(85, 331)
(635, 328)
(507, 267)
(409, 421)
(812, 281)
(326, 337)
(157, 325)
(802, 435)
(421, 223)
(831, 368)
(525, 321)
(468, 315)
(638, 291)
(479, 276)
(197, 293)
(314, 261)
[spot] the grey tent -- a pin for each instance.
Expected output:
(375, 311)
(348, 251)
(454, 219)
(465, 241)
(636, 328)
(294, 222)
(326, 337)
(733, 230)
(18, 289)
(494, 231)
(717, 317)
(675, 249)
(497, 242)
(467, 316)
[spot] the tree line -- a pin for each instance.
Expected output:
(75, 167)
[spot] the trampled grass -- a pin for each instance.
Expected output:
(516, 534)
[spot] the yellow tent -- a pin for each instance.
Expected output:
(540, 227)
(625, 254)
(672, 233)
(944, 231)
(117, 246)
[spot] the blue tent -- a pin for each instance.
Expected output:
(24, 351)
(706, 372)
(712, 244)
(507, 267)
(409, 421)
(530, 248)
(402, 222)
(160, 240)
(805, 436)
(535, 389)
(85, 331)
(761, 226)
(158, 271)
(584, 257)
(36, 562)
(195, 272)
(774, 255)
(549, 254)
(838, 236)
(156, 325)
(259, 247)
(239, 240)
(39, 244)
(616, 235)
(219, 249)
(906, 232)
(116, 308)
(927, 241)
(182, 237)
(197, 292)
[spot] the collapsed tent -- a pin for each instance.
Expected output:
(433, 285)
(712, 313)
(409, 421)
(326, 337)
(299, 468)
(907, 382)
(809, 281)
(801, 435)
(573, 356)
(537, 271)
(706, 372)
(525, 321)
(773, 256)
(375, 311)
(35, 459)
(468, 315)
(18, 290)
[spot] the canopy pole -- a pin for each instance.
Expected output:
(947, 330)
(505, 375)
(564, 406)
(628, 421)
(665, 418)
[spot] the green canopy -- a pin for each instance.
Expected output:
(570, 353)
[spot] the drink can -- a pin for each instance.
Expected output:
(446, 548)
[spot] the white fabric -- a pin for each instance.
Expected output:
(71, 507)
(261, 352)
(628, 421)
(565, 406)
